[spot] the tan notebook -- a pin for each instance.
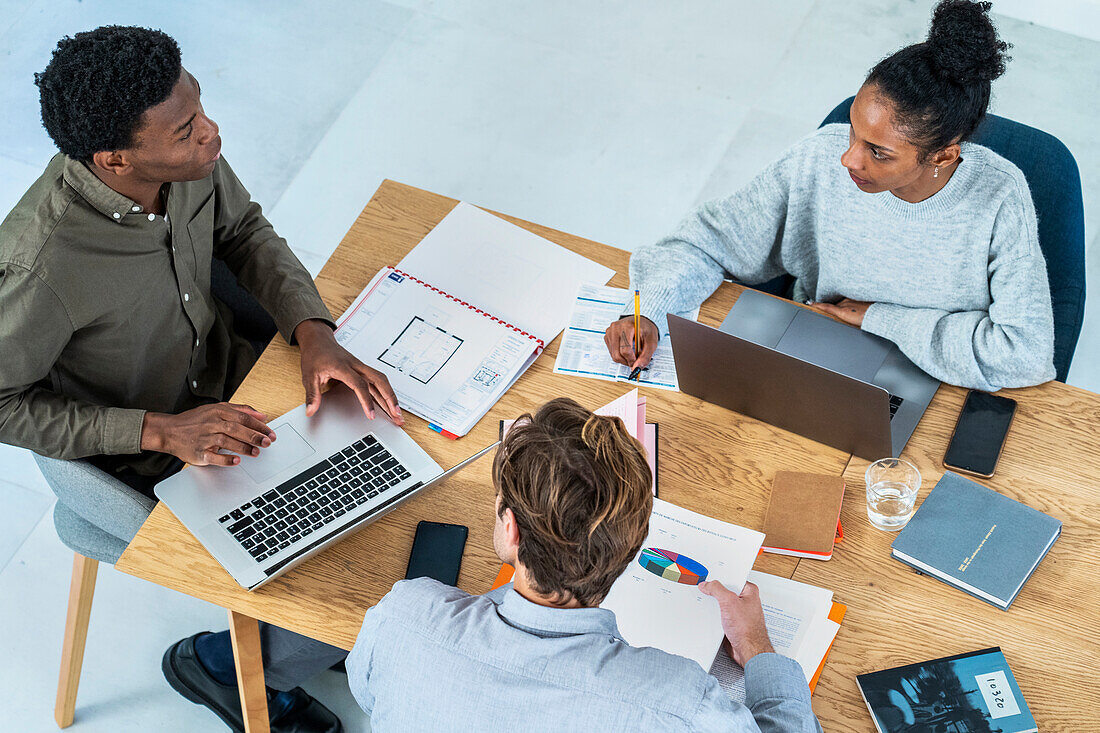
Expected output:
(803, 516)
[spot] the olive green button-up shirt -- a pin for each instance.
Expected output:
(106, 309)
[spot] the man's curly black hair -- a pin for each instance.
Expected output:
(100, 82)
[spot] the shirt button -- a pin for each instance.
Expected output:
(186, 297)
(136, 208)
(117, 215)
(196, 343)
(194, 384)
(151, 217)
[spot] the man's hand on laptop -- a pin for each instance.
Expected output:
(200, 435)
(848, 311)
(324, 360)
(619, 338)
(742, 620)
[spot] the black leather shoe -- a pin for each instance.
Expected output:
(188, 677)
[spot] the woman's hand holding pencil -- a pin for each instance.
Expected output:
(629, 344)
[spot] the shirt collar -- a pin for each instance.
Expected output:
(102, 197)
(546, 621)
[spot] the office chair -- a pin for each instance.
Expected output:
(1055, 184)
(113, 513)
(96, 515)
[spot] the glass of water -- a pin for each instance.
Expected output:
(892, 486)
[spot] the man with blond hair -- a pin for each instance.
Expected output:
(572, 510)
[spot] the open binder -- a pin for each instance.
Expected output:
(447, 360)
(464, 314)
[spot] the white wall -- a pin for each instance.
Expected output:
(1080, 17)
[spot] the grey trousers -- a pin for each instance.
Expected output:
(99, 523)
(291, 659)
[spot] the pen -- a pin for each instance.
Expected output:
(634, 374)
(637, 325)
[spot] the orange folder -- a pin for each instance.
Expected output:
(504, 576)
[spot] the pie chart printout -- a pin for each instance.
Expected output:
(672, 566)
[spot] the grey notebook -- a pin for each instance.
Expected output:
(977, 540)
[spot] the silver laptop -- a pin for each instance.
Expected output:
(804, 372)
(323, 477)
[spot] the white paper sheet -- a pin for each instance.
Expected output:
(583, 353)
(503, 269)
(677, 617)
(796, 615)
(816, 645)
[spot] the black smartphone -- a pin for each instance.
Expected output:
(980, 433)
(437, 551)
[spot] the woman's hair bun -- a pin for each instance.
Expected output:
(963, 43)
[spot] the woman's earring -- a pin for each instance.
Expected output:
(936, 172)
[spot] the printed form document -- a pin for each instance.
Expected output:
(464, 314)
(583, 353)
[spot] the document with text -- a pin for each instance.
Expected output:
(657, 601)
(797, 617)
(583, 352)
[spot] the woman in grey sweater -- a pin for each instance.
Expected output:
(894, 224)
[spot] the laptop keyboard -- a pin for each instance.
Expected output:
(316, 497)
(895, 403)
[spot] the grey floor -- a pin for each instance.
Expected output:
(608, 120)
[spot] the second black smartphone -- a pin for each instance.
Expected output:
(437, 551)
(980, 433)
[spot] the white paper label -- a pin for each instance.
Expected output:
(998, 695)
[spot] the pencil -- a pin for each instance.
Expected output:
(637, 324)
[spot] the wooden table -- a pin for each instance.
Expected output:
(712, 461)
(896, 616)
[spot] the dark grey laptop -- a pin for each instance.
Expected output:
(804, 372)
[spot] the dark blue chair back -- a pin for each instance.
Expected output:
(1055, 184)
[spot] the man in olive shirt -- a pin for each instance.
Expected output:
(114, 348)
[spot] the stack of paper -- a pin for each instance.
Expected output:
(583, 352)
(800, 625)
(656, 601)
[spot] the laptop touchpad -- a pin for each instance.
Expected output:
(821, 340)
(288, 448)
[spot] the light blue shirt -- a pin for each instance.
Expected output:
(431, 657)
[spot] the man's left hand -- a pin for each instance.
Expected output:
(848, 310)
(324, 360)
